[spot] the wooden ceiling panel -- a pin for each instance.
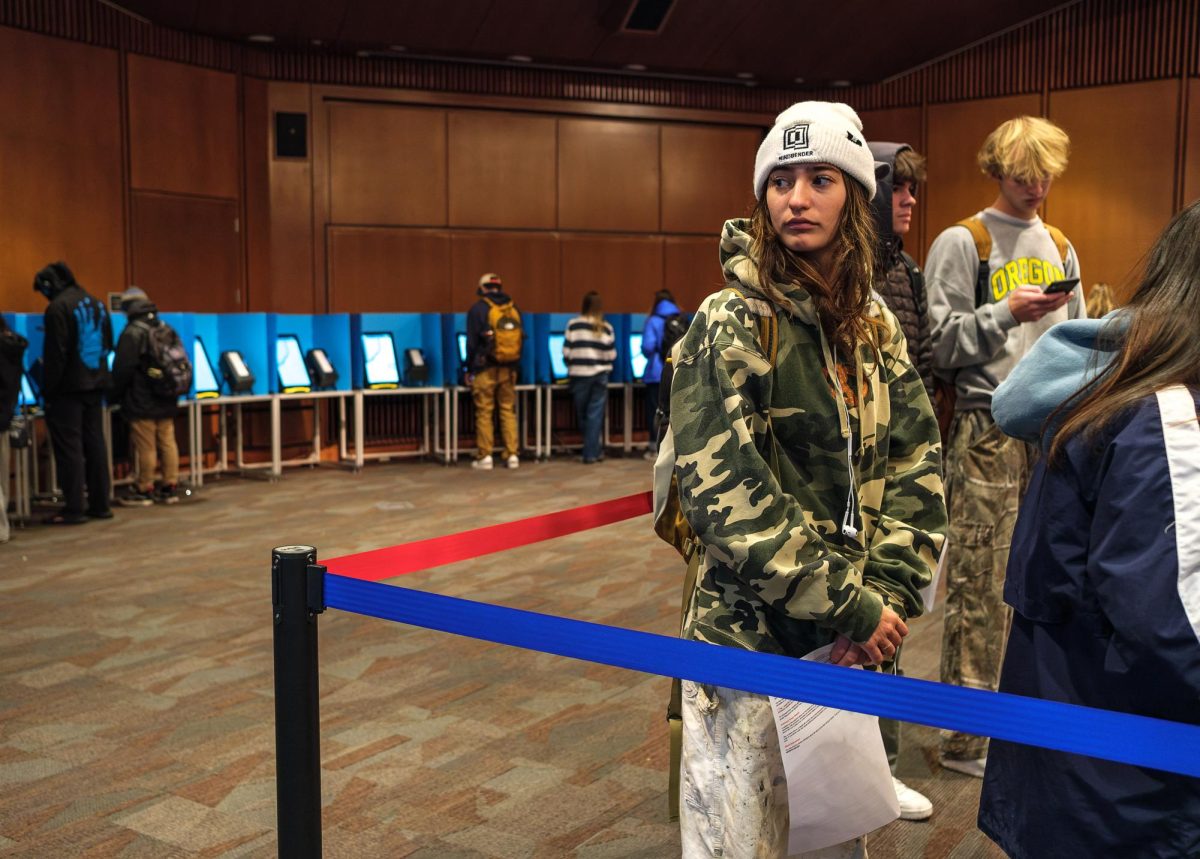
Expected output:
(776, 40)
(419, 27)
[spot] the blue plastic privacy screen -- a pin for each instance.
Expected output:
(462, 347)
(202, 371)
(26, 397)
(379, 359)
(636, 359)
(292, 371)
(558, 364)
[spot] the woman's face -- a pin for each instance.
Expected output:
(805, 202)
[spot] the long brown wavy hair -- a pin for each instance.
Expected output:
(1159, 348)
(843, 298)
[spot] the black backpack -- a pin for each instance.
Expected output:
(166, 361)
(674, 327)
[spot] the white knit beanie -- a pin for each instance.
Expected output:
(816, 132)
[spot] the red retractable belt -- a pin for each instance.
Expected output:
(421, 555)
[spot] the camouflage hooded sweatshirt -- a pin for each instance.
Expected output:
(778, 573)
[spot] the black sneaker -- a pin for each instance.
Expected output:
(166, 494)
(135, 498)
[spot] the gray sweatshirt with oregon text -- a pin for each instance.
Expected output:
(977, 347)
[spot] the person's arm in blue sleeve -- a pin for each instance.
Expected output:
(1063, 361)
(652, 335)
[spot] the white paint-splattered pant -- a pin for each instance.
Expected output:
(733, 801)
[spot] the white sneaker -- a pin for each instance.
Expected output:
(972, 766)
(913, 805)
(513, 461)
(483, 464)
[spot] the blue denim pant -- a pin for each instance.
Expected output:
(590, 394)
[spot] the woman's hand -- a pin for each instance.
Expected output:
(879, 648)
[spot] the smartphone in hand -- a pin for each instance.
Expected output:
(1060, 286)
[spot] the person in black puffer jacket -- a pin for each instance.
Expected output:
(902, 285)
(151, 415)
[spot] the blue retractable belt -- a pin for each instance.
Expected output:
(1122, 737)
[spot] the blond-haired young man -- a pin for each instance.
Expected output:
(986, 278)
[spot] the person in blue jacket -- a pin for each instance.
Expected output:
(1104, 571)
(664, 308)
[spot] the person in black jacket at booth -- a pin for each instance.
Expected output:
(74, 379)
(12, 350)
(150, 414)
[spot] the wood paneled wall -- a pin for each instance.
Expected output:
(413, 197)
(61, 165)
(1113, 201)
(134, 168)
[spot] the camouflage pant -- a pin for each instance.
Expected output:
(986, 475)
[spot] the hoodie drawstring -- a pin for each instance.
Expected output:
(848, 518)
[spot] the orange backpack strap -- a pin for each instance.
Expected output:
(768, 326)
(983, 250)
(1060, 242)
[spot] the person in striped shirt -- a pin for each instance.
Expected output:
(589, 352)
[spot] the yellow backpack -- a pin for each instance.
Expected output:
(504, 321)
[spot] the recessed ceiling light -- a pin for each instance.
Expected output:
(261, 38)
(520, 58)
(316, 43)
(839, 83)
(746, 76)
(799, 80)
(635, 67)
(399, 49)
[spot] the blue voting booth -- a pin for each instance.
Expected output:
(549, 335)
(629, 347)
(294, 334)
(379, 343)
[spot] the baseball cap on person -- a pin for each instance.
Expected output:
(489, 279)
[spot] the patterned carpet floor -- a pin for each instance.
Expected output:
(136, 703)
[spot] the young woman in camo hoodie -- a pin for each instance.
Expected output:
(808, 468)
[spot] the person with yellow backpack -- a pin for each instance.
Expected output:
(494, 341)
(996, 282)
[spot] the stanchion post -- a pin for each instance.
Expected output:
(297, 597)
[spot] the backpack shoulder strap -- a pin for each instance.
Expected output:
(983, 249)
(1060, 242)
(768, 324)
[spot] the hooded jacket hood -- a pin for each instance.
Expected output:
(881, 203)
(53, 279)
(665, 307)
(739, 268)
(139, 307)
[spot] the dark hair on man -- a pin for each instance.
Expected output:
(910, 167)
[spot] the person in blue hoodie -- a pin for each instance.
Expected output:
(664, 308)
(1104, 570)
(74, 378)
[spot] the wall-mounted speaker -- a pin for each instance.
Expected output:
(291, 135)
